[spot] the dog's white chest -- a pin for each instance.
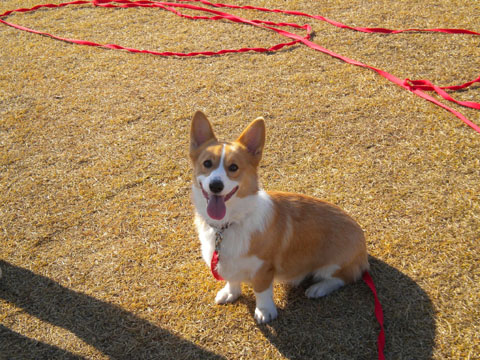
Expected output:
(239, 268)
(234, 264)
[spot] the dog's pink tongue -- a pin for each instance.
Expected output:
(216, 207)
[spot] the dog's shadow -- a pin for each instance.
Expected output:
(111, 330)
(343, 325)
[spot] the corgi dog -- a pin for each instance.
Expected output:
(261, 236)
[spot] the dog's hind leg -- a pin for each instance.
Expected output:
(325, 282)
(324, 287)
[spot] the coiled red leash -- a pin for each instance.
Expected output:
(418, 87)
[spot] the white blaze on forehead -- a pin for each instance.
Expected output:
(219, 172)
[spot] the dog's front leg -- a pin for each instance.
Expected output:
(230, 292)
(265, 310)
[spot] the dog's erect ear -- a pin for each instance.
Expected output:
(200, 132)
(253, 137)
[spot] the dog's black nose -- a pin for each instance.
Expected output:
(216, 186)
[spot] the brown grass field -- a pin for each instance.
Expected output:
(98, 251)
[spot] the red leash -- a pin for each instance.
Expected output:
(378, 314)
(418, 87)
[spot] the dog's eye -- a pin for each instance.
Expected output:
(207, 163)
(233, 168)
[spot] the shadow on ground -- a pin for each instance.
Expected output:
(343, 325)
(111, 330)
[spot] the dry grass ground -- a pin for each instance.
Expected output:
(97, 246)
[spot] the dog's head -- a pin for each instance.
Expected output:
(224, 171)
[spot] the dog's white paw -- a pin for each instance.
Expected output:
(265, 315)
(228, 294)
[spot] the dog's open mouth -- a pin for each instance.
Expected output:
(216, 208)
